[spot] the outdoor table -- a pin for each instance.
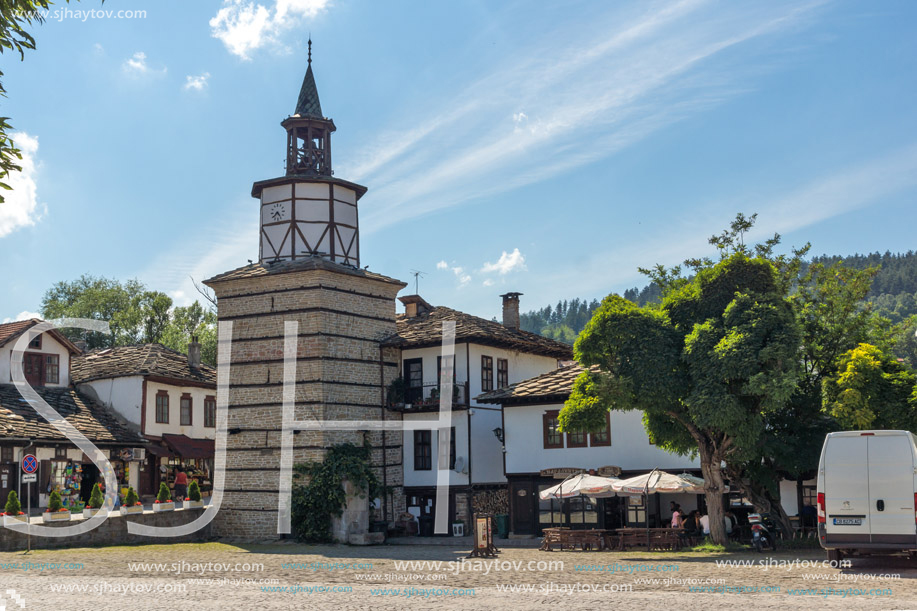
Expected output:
(659, 538)
(564, 538)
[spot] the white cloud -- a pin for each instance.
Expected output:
(137, 66)
(98, 48)
(442, 265)
(244, 26)
(461, 275)
(197, 83)
(508, 262)
(21, 208)
(618, 80)
(24, 315)
(488, 282)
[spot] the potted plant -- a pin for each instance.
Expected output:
(55, 512)
(194, 496)
(131, 503)
(163, 500)
(13, 510)
(396, 392)
(96, 500)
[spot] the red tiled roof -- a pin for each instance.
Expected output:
(12, 330)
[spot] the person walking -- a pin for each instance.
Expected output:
(181, 484)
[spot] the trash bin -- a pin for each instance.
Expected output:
(502, 520)
(426, 526)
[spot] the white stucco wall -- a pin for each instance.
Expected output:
(630, 448)
(788, 495)
(49, 345)
(197, 430)
(486, 449)
(124, 395)
(428, 478)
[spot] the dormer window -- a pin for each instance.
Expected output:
(35, 343)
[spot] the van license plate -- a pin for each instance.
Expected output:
(848, 521)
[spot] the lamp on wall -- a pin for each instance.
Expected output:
(498, 433)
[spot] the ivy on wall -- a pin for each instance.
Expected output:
(323, 498)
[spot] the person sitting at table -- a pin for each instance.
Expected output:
(705, 524)
(691, 525)
(677, 516)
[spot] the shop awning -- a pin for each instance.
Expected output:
(157, 450)
(186, 447)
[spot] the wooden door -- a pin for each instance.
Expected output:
(33, 367)
(523, 505)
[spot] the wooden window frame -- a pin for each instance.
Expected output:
(6, 454)
(35, 342)
(47, 368)
(421, 462)
(210, 412)
(60, 453)
(602, 444)
(452, 449)
(545, 424)
(487, 373)
(412, 394)
(181, 410)
(502, 373)
(165, 395)
(571, 443)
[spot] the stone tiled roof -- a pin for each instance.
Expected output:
(425, 329)
(256, 270)
(19, 419)
(144, 359)
(554, 385)
(11, 331)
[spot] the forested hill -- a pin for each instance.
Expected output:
(893, 294)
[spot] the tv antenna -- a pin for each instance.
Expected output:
(417, 276)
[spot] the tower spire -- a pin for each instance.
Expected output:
(310, 49)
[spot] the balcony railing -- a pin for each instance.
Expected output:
(427, 397)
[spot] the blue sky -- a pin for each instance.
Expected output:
(549, 147)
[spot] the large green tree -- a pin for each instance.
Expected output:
(134, 313)
(705, 367)
(872, 390)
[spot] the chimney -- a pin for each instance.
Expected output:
(194, 353)
(511, 310)
(414, 305)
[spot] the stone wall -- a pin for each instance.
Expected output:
(342, 373)
(112, 531)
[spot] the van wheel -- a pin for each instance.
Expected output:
(835, 556)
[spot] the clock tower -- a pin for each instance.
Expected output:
(308, 212)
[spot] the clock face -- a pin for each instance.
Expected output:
(277, 212)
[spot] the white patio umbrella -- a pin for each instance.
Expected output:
(582, 484)
(660, 481)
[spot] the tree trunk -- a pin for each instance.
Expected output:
(714, 488)
(761, 499)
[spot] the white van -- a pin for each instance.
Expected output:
(867, 493)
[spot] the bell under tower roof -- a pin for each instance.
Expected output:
(308, 104)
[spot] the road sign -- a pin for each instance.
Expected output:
(28, 478)
(29, 463)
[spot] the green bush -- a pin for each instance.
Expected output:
(54, 503)
(164, 495)
(96, 499)
(130, 499)
(194, 491)
(315, 504)
(13, 508)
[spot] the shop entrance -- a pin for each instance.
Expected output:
(90, 477)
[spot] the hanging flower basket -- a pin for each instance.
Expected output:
(62, 515)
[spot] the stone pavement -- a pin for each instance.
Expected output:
(288, 576)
